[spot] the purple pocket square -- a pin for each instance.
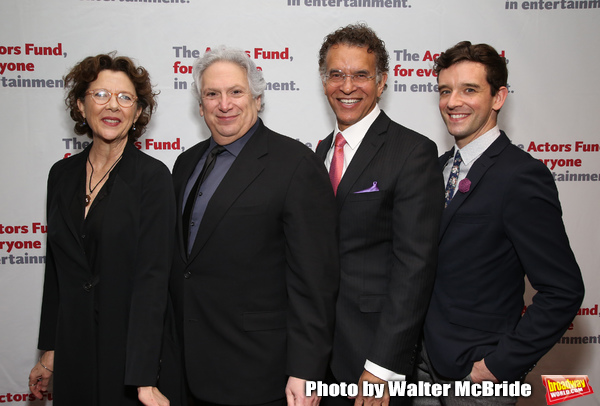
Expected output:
(373, 188)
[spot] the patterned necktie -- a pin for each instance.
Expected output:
(209, 164)
(453, 178)
(337, 162)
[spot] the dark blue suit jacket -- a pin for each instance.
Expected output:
(508, 225)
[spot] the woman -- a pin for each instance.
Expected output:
(111, 216)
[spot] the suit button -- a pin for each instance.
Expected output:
(87, 286)
(187, 275)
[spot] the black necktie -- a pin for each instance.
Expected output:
(209, 164)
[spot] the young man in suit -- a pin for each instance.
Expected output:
(256, 270)
(502, 222)
(389, 202)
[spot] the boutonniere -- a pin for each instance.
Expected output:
(464, 185)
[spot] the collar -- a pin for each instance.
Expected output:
(477, 147)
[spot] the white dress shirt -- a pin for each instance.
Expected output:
(353, 136)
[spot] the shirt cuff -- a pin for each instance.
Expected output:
(383, 373)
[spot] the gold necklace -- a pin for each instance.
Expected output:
(88, 197)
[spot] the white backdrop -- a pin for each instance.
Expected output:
(551, 46)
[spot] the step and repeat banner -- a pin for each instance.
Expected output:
(552, 112)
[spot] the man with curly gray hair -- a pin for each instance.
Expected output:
(256, 270)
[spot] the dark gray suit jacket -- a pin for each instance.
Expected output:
(388, 248)
(255, 299)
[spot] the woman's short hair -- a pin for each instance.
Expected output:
(78, 80)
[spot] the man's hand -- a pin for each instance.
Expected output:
(151, 396)
(39, 377)
(481, 373)
(371, 400)
(295, 392)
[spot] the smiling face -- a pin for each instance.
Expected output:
(351, 102)
(228, 107)
(110, 122)
(466, 102)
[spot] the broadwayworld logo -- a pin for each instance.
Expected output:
(565, 387)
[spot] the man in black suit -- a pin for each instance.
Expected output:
(256, 271)
(502, 222)
(389, 202)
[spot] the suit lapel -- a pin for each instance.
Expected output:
(444, 158)
(371, 143)
(120, 195)
(180, 183)
(69, 189)
(476, 173)
(324, 146)
(246, 167)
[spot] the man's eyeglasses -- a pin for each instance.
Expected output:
(103, 96)
(336, 76)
